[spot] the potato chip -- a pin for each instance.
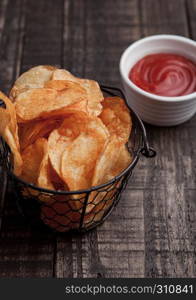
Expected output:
(57, 182)
(44, 179)
(93, 90)
(32, 157)
(57, 143)
(29, 132)
(10, 109)
(106, 161)
(95, 96)
(33, 78)
(62, 74)
(40, 103)
(110, 164)
(78, 162)
(123, 161)
(61, 85)
(60, 138)
(47, 177)
(115, 115)
(79, 158)
(9, 131)
(5, 119)
(104, 164)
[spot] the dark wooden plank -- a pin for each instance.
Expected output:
(3, 184)
(174, 160)
(121, 240)
(35, 30)
(43, 37)
(10, 28)
(95, 34)
(169, 244)
(162, 17)
(151, 232)
(191, 11)
(169, 178)
(3, 7)
(63, 265)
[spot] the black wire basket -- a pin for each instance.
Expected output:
(78, 210)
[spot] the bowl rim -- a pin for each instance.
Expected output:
(130, 83)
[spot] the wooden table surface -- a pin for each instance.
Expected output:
(152, 231)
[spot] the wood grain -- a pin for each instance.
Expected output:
(191, 11)
(152, 231)
(10, 27)
(43, 36)
(25, 252)
(169, 251)
(95, 48)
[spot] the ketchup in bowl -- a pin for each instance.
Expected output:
(165, 74)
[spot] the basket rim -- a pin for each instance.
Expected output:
(83, 191)
(111, 181)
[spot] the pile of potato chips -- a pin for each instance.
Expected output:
(62, 132)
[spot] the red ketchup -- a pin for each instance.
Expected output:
(165, 74)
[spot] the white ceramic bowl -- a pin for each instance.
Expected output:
(155, 109)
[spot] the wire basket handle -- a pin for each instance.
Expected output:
(147, 151)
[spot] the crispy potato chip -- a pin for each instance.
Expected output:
(40, 103)
(44, 179)
(79, 158)
(78, 162)
(5, 119)
(33, 78)
(29, 132)
(80, 106)
(32, 157)
(10, 109)
(61, 85)
(60, 138)
(47, 179)
(93, 90)
(104, 169)
(115, 115)
(107, 159)
(36, 159)
(73, 124)
(57, 143)
(9, 131)
(62, 74)
(95, 96)
(104, 164)
(123, 161)
(110, 164)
